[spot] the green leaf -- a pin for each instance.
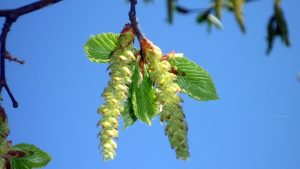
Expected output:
(281, 24)
(215, 21)
(143, 96)
(193, 80)
(218, 8)
(271, 30)
(128, 115)
(2, 163)
(238, 12)
(99, 47)
(202, 17)
(277, 27)
(34, 158)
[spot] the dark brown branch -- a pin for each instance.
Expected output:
(11, 16)
(27, 8)
(11, 58)
(134, 24)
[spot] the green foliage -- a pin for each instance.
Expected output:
(210, 19)
(34, 157)
(128, 115)
(141, 88)
(99, 47)
(192, 79)
(211, 16)
(277, 26)
(238, 12)
(218, 8)
(121, 65)
(167, 96)
(2, 163)
(143, 96)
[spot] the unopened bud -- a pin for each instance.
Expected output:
(122, 58)
(130, 55)
(112, 133)
(126, 71)
(105, 124)
(117, 78)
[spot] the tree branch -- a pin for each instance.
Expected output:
(11, 15)
(9, 57)
(134, 24)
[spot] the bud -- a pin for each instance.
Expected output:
(112, 133)
(106, 124)
(102, 110)
(126, 71)
(123, 58)
(120, 87)
(107, 146)
(162, 81)
(113, 101)
(117, 78)
(129, 55)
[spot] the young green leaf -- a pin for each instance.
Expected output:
(193, 80)
(271, 30)
(277, 26)
(218, 8)
(281, 23)
(214, 21)
(143, 96)
(34, 157)
(128, 115)
(202, 17)
(2, 163)
(99, 47)
(229, 5)
(238, 11)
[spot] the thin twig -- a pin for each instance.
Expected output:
(134, 24)
(11, 16)
(11, 58)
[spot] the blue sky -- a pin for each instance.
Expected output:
(254, 125)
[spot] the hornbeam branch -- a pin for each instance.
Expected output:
(11, 16)
(134, 24)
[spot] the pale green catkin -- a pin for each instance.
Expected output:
(121, 63)
(167, 96)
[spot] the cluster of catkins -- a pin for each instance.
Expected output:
(122, 62)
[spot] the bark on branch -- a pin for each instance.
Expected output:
(11, 16)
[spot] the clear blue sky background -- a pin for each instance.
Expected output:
(255, 124)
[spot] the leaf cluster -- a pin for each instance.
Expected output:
(34, 157)
(20, 156)
(276, 27)
(141, 103)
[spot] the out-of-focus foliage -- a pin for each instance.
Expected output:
(277, 25)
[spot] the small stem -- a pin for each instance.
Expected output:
(134, 24)
(11, 58)
(15, 103)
